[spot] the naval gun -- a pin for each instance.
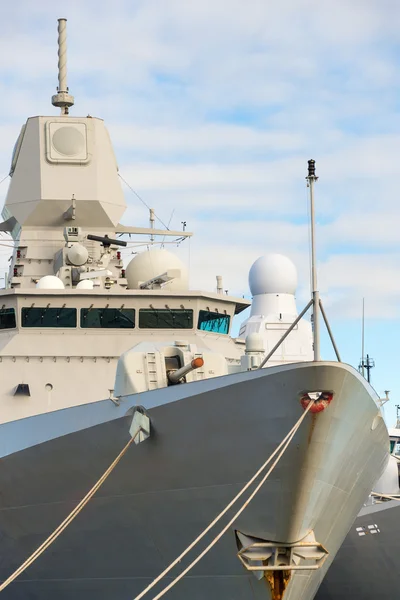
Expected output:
(175, 377)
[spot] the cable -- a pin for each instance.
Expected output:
(169, 223)
(141, 200)
(284, 443)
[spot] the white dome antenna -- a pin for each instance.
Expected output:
(77, 255)
(50, 282)
(273, 274)
(62, 99)
(156, 268)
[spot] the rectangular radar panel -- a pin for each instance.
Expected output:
(67, 142)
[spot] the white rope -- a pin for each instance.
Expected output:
(53, 536)
(283, 445)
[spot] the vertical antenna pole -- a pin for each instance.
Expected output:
(220, 287)
(369, 366)
(152, 220)
(311, 179)
(362, 339)
(62, 99)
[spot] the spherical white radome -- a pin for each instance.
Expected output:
(85, 284)
(77, 255)
(154, 262)
(273, 274)
(50, 282)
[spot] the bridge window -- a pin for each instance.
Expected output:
(164, 318)
(48, 317)
(7, 318)
(213, 321)
(108, 318)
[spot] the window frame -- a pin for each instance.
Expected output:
(167, 310)
(225, 316)
(45, 308)
(9, 308)
(103, 308)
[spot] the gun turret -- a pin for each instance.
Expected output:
(176, 376)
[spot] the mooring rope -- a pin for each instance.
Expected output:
(281, 450)
(53, 536)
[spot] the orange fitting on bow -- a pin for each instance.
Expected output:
(324, 399)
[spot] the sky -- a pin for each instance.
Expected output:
(214, 108)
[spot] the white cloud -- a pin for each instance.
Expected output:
(203, 138)
(346, 279)
(214, 108)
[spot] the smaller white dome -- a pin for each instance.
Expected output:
(77, 255)
(254, 342)
(50, 282)
(273, 274)
(85, 284)
(151, 263)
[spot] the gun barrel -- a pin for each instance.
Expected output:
(176, 376)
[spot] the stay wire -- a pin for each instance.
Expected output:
(168, 226)
(141, 200)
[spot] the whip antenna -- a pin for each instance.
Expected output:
(62, 99)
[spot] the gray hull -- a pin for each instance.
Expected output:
(208, 439)
(367, 565)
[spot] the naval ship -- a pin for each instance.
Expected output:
(95, 354)
(367, 565)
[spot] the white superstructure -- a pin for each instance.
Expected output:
(70, 308)
(273, 282)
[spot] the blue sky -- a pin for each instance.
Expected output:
(214, 108)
